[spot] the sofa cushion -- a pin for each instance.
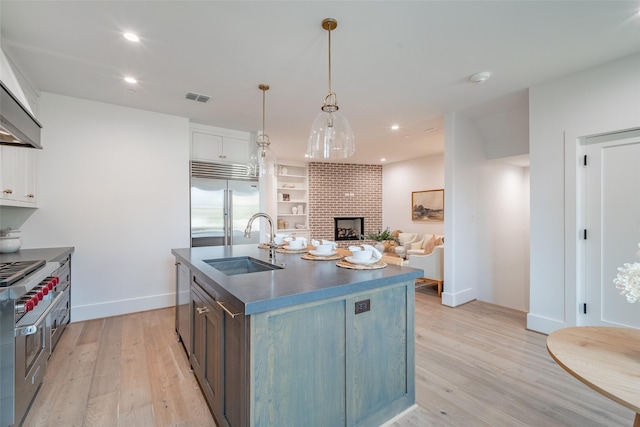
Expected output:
(406, 237)
(418, 244)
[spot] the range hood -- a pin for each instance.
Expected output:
(17, 125)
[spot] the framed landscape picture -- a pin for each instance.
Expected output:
(427, 205)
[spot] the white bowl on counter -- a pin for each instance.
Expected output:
(9, 244)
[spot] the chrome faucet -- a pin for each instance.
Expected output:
(272, 244)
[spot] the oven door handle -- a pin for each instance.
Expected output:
(33, 328)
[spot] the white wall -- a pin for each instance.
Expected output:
(114, 183)
(486, 219)
(398, 181)
(595, 101)
(503, 235)
(464, 154)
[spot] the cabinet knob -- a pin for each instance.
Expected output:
(31, 196)
(202, 310)
(8, 191)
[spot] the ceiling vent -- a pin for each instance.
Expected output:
(197, 97)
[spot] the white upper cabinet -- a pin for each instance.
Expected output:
(211, 144)
(18, 169)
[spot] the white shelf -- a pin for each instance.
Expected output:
(298, 177)
(297, 174)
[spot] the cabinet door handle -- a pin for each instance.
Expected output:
(226, 310)
(8, 191)
(202, 310)
(31, 196)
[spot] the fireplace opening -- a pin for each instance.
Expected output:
(348, 228)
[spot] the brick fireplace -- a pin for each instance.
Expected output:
(338, 190)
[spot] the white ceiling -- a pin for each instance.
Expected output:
(394, 62)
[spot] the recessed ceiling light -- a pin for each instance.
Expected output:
(130, 80)
(131, 37)
(395, 127)
(383, 159)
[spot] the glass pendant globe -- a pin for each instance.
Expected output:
(331, 137)
(262, 162)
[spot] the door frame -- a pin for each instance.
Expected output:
(575, 147)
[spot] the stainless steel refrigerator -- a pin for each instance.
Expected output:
(221, 208)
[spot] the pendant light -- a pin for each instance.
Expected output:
(262, 161)
(331, 136)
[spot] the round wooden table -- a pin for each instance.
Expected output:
(604, 358)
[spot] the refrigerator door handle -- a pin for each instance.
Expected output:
(230, 216)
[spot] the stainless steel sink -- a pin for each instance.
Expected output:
(240, 265)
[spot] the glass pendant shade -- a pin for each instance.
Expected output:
(262, 161)
(331, 137)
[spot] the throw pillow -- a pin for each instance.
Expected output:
(418, 244)
(430, 244)
(439, 240)
(389, 245)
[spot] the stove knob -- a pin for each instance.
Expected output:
(57, 280)
(45, 290)
(40, 295)
(34, 300)
(51, 284)
(28, 305)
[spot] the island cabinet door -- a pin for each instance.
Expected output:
(346, 361)
(207, 354)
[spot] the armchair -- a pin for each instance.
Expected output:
(432, 264)
(405, 240)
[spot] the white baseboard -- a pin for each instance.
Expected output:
(459, 298)
(126, 306)
(400, 415)
(543, 324)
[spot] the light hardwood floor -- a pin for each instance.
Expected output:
(476, 365)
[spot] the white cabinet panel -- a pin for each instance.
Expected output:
(210, 144)
(18, 169)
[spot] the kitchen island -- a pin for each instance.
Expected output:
(307, 344)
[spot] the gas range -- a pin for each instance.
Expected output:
(34, 310)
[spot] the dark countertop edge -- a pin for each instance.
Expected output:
(217, 282)
(335, 291)
(36, 254)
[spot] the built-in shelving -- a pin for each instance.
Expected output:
(292, 201)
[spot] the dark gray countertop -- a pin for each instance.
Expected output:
(300, 280)
(47, 254)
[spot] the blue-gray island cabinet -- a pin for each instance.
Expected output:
(309, 344)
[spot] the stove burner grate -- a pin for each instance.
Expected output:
(11, 272)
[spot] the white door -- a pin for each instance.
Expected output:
(611, 214)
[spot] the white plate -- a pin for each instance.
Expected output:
(316, 253)
(361, 262)
(301, 248)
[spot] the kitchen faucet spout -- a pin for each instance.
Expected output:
(272, 244)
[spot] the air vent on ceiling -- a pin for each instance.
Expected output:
(197, 97)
